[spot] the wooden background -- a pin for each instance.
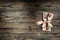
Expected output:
(18, 20)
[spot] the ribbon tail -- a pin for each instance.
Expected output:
(39, 22)
(50, 25)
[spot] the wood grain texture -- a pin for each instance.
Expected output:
(16, 18)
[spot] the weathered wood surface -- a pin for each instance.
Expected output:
(17, 18)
